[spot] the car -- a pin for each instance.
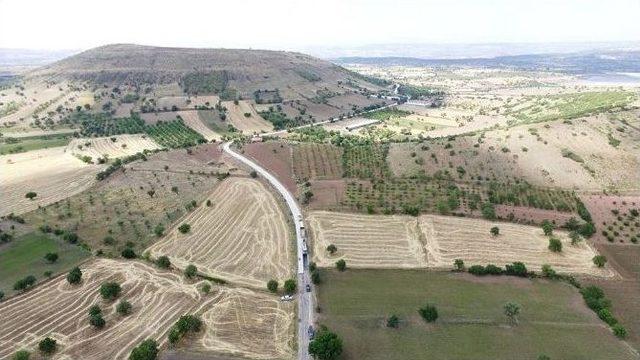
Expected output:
(308, 288)
(311, 332)
(286, 298)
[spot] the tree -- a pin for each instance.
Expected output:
(25, 283)
(272, 285)
(74, 276)
(159, 230)
(163, 262)
(429, 313)
(516, 269)
(555, 244)
(619, 331)
(51, 257)
(128, 253)
(206, 288)
(124, 307)
(488, 211)
(548, 272)
(547, 227)
(110, 290)
(575, 237)
(184, 228)
(70, 237)
(315, 277)
(290, 286)
(458, 264)
(253, 174)
(326, 345)
(21, 355)
(393, 321)
(511, 310)
(495, 231)
(47, 346)
(186, 323)
(190, 271)
(599, 260)
(97, 321)
(341, 265)
(147, 350)
(95, 310)
(332, 249)
(30, 195)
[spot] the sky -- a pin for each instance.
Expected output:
(304, 24)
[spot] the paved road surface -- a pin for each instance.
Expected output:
(305, 300)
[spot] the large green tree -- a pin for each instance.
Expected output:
(325, 346)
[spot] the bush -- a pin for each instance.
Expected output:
(25, 283)
(341, 265)
(97, 321)
(555, 244)
(71, 237)
(184, 228)
(147, 350)
(110, 290)
(493, 270)
(74, 276)
(477, 270)
(21, 355)
(547, 227)
(124, 307)
(290, 286)
(47, 346)
(190, 271)
(429, 313)
(516, 269)
(619, 331)
(332, 249)
(206, 288)
(599, 260)
(186, 323)
(548, 272)
(393, 321)
(95, 310)
(30, 195)
(128, 253)
(51, 257)
(315, 277)
(606, 316)
(272, 285)
(488, 211)
(253, 174)
(458, 264)
(163, 262)
(495, 231)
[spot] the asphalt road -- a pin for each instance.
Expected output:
(305, 299)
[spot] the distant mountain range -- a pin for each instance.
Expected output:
(573, 63)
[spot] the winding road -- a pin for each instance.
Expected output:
(305, 300)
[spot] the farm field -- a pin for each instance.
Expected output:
(121, 207)
(317, 161)
(432, 241)
(617, 217)
(24, 256)
(277, 158)
(174, 134)
(10, 145)
(52, 174)
(192, 119)
(111, 147)
(242, 237)
(158, 299)
(471, 325)
(254, 123)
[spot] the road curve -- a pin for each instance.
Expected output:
(305, 299)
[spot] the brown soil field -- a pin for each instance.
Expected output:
(430, 241)
(242, 237)
(152, 118)
(52, 173)
(252, 124)
(159, 298)
(531, 216)
(275, 157)
(317, 161)
(124, 145)
(192, 119)
(327, 194)
(181, 102)
(120, 206)
(613, 218)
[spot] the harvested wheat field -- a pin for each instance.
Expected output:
(430, 241)
(248, 324)
(193, 120)
(59, 310)
(254, 123)
(242, 237)
(52, 174)
(113, 146)
(367, 241)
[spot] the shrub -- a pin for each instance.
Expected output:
(341, 265)
(184, 228)
(124, 307)
(548, 272)
(619, 331)
(488, 211)
(477, 270)
(190, 271)
(555, 244)
(458, 264)
(21, 355)
(71, 237)
(30, 195)
(74, 276)
(272, 286)
(110, 290)
(253, 174)
(393, 321)
(606, 316)
(95, 310)
(163, 262)
(429, 313)
(493, 270)
(599, 260)
(159, 230)
(47, 346)
(128, 253)
(51, 257)
(332, 249)
(147, 350)
(547, 227)
(206, 288)
(97, 321)
(516, 269)
(186, 323)
(315, 277)
(495, 231)
(25, 283)
(290, 286)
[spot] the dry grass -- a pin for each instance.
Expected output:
(193, 120)
(242, 237)
(430, 241)
(124, 145)
(251, 124)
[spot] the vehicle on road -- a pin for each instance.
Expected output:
(286, 298)
(308, 287)
(311, 332)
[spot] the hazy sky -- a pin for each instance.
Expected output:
(295, 24)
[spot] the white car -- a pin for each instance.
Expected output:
(286, 298)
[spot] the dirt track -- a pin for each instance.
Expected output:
(431, 241)
(242, 237)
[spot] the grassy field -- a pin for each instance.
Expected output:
(471, 325)
(33, 143)
(25, 256)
